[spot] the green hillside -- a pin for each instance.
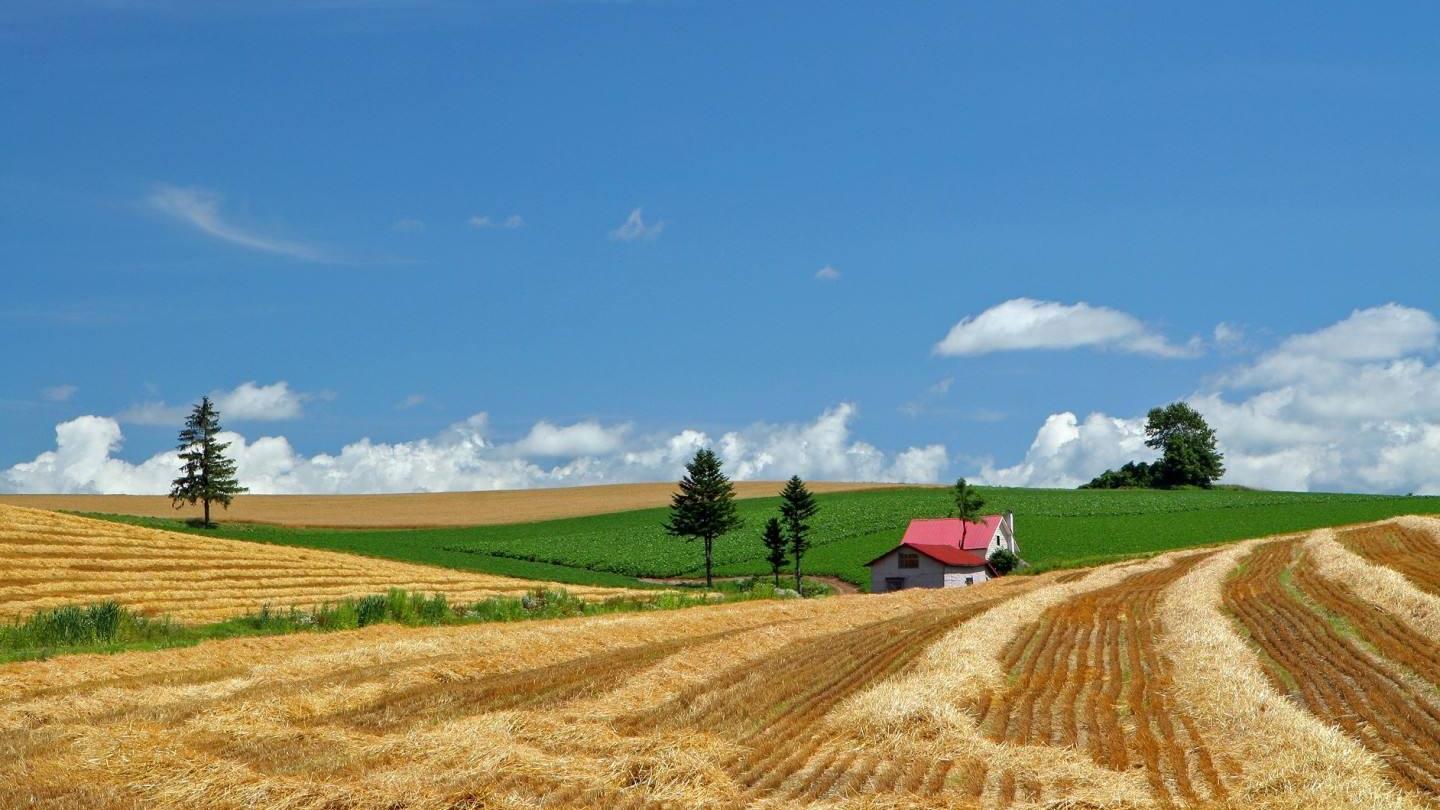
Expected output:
(1056, 528)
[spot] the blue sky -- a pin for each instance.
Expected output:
(410, 213)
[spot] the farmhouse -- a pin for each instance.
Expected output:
(943, 553)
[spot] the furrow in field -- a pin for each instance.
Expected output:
(1332, 674)
(773, 710)
(1091, 663)
(1409, 549)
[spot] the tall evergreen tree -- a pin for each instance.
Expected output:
(797, 506)
(968, 504)
(775, 546)
(206, 473)
(704, 508)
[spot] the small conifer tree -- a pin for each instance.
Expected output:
(775, 546)
(206, 473)
(797, 506)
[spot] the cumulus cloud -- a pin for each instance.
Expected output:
(635, 228)
(579, 439)
(82, 461)
(464, 457)
(827, 273)
(246, 402)
(1068, 452)
(200, 209)
(1025, 323)
(58, 393)
(509, 223)
(1354, 406)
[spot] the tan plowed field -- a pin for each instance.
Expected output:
(413, 509)
(48, 559)
(1271, 673)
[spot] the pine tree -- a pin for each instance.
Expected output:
(776, 546)
(206, 473)
(797, 506)
(968, 504)
(704, 508)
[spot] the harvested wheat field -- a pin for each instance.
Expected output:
(414, 510)
(1294, 672)
(48, 559)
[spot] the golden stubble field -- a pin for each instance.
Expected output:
(1295, 672)
(48, 559)
(413, 510)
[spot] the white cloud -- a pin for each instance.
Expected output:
(1386, 332)
(410, 401)
(509, 223)
(463, 458)
(1067, 452)
(1354, 406)
(634, 228)
(1025, 323)
(260, 403)
(1378, 333)
(579, 439)
(827, 273)
(200, 209)
(58, 393)
(246, 402)
(82, 462)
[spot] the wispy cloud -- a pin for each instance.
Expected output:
(410, 402)
(634, 228)
(509, 223)
(827, 273)
(58, 393)
(408, 225)
(200, 209)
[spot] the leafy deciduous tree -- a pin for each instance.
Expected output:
(1190, 457)
(968, 503)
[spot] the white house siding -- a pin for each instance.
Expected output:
(930, 574)
(1004, 536)
(955, 577)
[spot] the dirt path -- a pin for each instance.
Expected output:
(840, 585)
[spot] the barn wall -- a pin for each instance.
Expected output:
(955, 576)
(930, 574)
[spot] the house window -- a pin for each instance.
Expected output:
(909, 559)
(969, 580)
(894, 583)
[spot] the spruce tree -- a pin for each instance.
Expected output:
(797, 506)
(704, 508)
(206, 473)
(968, 504)
(776, 546)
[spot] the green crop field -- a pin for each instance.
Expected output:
(1056, 528)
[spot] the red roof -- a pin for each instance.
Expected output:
(940, 539)
(946, 532)
(947, 555)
